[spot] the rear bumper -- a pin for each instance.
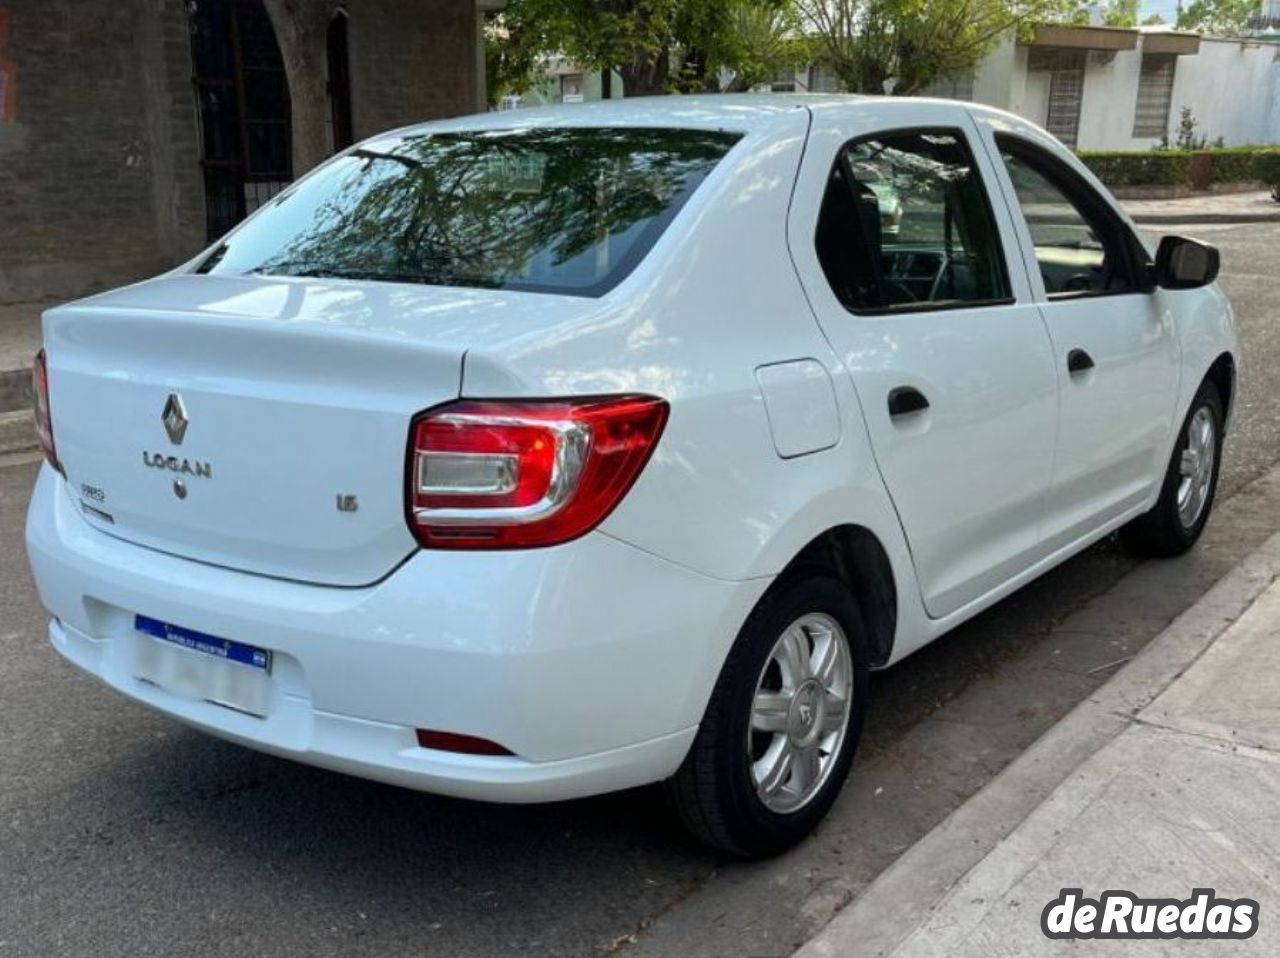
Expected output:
(592, 661)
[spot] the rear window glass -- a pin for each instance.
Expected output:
(568, 210)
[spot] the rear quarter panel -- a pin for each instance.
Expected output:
(716, 299)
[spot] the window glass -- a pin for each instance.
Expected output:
(1155, 94)
(1078, 252)
(905, 224)
(550, 210)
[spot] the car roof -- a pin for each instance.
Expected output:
(739, 112)
(744, 112)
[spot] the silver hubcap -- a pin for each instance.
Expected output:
(800, 712)
(1196, 468)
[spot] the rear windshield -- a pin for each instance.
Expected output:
(552, 210)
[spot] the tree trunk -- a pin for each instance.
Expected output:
(301, 28)
(646, 74)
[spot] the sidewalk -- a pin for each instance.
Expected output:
(1254, 207)
(1164, 781)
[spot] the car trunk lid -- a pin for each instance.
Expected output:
(251, 423)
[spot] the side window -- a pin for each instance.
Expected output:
(906, 224)
(1081, 247)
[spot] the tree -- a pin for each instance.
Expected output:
(1222, 17)
(900, 46)
(513, 46)
(1121, 13)
(763, 38)
(658, 46)
(301, 28)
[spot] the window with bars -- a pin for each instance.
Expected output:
(1066, 90)
(1155, 94)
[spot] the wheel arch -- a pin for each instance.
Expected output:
(855, 556)
(1222, 373)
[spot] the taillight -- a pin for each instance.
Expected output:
(507, 475)
(44, 421)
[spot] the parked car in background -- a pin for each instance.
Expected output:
(534, 455)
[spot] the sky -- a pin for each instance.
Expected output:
(1168, 9)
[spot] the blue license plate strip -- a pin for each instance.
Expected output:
(241, 652)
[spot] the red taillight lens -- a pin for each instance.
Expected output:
(508, 475)
(44, 421)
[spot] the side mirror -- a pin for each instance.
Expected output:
(1183, 263)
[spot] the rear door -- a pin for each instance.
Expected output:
(914, 275)
(1115, 353)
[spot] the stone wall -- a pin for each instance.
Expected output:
(99, 173)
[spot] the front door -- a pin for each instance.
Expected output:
(906, 262)
(1115, 352)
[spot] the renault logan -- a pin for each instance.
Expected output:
(540, 454)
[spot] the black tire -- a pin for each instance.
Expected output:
(1161, 532)
(712, 794)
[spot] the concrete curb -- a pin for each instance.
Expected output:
(17, 432)
(15, 389)
(889, 911)
(1163, 219)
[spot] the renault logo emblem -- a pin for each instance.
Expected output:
(174, 418)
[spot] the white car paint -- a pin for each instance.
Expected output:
(592, 660)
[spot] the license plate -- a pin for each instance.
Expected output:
(196, 665)
(249, 655)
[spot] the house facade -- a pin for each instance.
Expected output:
(1096, 88)
(1102, 88)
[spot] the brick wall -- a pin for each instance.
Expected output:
(98, 182)
(411, 60)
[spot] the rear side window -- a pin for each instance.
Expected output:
(906, 225)
(551, 210)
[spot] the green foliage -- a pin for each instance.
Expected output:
(1266, 169)
(1121, 13)
(1173, 167)
(1231, 165)
(762, 39)
(1221, 17)
(900, 46)
(661, 46)
(1139, 168)
(512, 48)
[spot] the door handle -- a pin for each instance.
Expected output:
(1078, 361)
(906, 399)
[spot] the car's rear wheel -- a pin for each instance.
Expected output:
(782, 725)
(1175, 522)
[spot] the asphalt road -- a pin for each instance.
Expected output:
(122, 833)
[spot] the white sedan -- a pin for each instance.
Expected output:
(539, 454)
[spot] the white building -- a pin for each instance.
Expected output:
(1102, 88)
(1106, 88)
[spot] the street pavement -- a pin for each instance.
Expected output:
(123, 833)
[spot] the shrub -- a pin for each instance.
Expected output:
(1173, 167)
(1140, 168)
(1232, 165)
(1266, 169)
